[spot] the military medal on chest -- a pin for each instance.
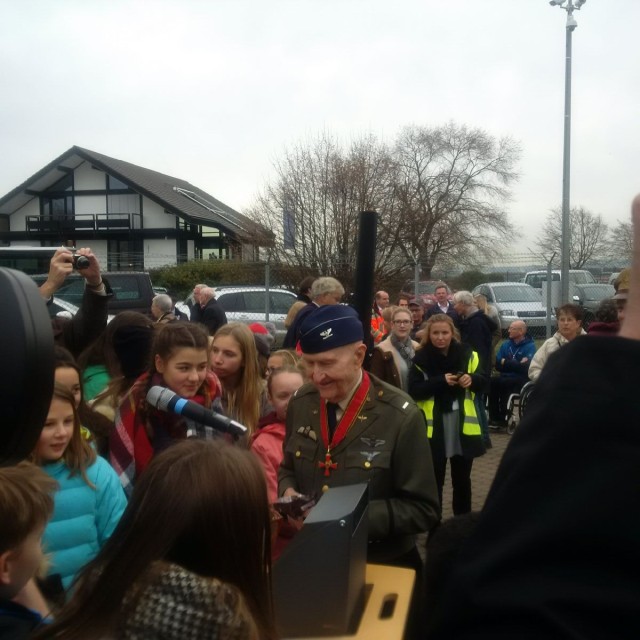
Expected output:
(346, 422)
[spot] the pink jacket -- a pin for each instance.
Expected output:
(267, 446)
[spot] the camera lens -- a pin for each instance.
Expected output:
(81, 262)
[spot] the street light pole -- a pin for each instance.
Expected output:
(569, 7)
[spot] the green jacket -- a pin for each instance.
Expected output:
(386, 447)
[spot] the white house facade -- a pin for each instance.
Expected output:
(131, 217)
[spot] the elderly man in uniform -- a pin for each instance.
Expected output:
(347, 427)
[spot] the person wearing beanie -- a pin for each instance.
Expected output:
(347, 426)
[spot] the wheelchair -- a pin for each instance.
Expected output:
(517, 405)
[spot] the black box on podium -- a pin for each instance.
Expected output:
(319, 580)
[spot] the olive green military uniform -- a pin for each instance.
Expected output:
(387, 446)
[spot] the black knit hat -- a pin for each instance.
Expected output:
(132, 345)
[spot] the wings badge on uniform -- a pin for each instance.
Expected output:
(373, 442)
(370, 455)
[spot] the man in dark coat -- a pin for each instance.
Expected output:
(325, 290)
(195, 310)
(555, 553)
(78, 333)
(442, 304)
(476, 330)
(212, 315)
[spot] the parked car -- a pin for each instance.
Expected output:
(132, 290)
(592, 296)
(426, 290)
(249, 304)
(583, 289)
(576, 277)
(517, 301)
(64, 309)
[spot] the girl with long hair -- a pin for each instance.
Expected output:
(190, 558)
(99, 362)
(93, 426)
(179, 363)
(90, 500)
(234, 359)
(443, 380)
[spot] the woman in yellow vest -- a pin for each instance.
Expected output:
(443, 381)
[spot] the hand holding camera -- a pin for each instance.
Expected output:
(63, 262)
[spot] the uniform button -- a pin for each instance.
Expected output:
(298, 454)
(325, 488)
(380, 394)
(367, 464)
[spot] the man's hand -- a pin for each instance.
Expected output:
(524, 360)
(631, 322)
(92, 273)
(60, 267)
(290, 492)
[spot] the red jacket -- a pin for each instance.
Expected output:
(266, 444)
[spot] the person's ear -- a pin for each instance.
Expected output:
(160, 365)
(359, 353)
(6, 562)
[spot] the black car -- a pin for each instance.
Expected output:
(132, 290)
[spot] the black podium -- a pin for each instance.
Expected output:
(319, 580)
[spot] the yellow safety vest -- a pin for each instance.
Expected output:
(470, 426)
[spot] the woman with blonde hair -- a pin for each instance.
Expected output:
(234, 359)
(443, 381)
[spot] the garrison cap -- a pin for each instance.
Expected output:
(330, 326)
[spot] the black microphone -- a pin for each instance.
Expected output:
(166, 400)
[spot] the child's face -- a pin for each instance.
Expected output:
(22, 564)
(57, 431)
(274, 363)
(68, 377)
(185, 371)
(283, 386)
(226, 357)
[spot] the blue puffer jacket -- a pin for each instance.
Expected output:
(513, 355)
(83, 518)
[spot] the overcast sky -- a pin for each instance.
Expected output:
(212, 91)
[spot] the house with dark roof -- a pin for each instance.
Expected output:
(131, 217)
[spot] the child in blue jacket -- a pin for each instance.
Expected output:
(90, 501)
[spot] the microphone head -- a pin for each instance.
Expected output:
(159, 397)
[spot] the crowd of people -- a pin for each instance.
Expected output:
(156, 525)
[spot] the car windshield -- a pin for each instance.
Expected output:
(516, 293)
(581, 277)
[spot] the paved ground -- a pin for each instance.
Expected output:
(482, 473)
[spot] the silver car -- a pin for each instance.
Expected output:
(517, 301)
(251, 304)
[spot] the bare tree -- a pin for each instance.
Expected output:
(320, 190)
(621, 242)
(452, 184)
(589, 236)
(438, 193)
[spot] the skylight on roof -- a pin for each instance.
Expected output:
(209, 206)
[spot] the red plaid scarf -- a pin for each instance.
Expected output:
(130, 448)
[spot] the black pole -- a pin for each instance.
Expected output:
(365, 264)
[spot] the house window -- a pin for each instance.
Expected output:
(57, 201)
(114, 183)
(125, 255)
